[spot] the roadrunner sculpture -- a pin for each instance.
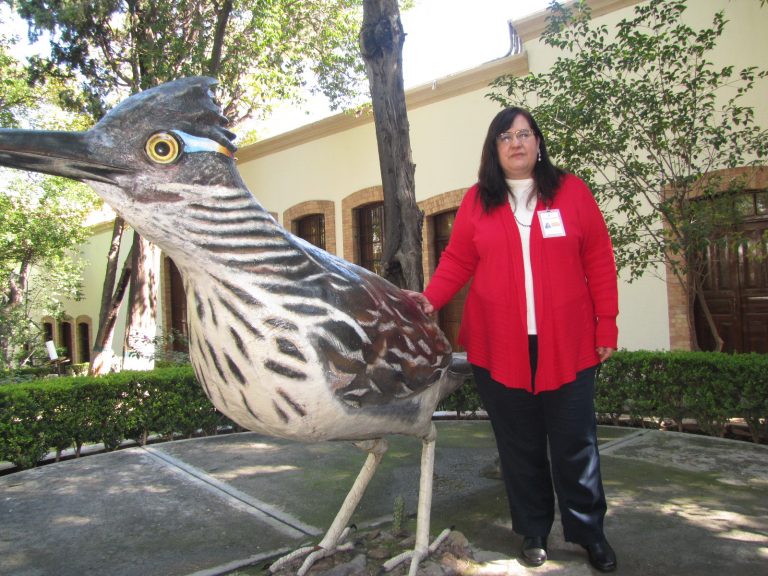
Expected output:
(286, 339)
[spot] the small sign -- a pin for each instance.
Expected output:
(551, 223)
(51, 347)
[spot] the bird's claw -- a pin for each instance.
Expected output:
(313, 553)
(416, 556)
(321, 553)
(288, 558)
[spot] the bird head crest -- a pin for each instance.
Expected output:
(186, 104)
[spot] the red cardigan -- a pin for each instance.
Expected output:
(574, 284)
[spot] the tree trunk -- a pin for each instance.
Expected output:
(692, 280)
(12, 298)
(17, 285)
(381, 44)
(702, 299)
(222, 19)
(101, 359)
(111, 299)
(141, 325)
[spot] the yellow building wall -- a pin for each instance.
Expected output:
(94, 255)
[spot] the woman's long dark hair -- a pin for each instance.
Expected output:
(490, 177)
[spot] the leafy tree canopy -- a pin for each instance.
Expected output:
(262, 51)
(15, 94)
(41, 226)
(41, 219)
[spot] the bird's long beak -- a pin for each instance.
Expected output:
(66, 154)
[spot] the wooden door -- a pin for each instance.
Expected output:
(449, 317)
(178, 308)
(753, 288)
(736, 287)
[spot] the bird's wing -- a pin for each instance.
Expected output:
(384, 347)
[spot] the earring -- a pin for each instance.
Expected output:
(539, 154)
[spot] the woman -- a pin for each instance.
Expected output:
(539, 319)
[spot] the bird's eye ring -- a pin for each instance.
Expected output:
(163, 148)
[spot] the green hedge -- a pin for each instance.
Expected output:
(464, 400)
(708, 387)
(23, 375)
(59, 413)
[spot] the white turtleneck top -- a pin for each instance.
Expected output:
(524, 210)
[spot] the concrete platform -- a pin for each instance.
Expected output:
(678, 504)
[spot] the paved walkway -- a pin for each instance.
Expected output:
(678, 504)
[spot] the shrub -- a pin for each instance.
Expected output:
(649, 387)
(23, 375)
(57, 413)
(708, 387)
(23, 438)
(62, 412)
(464, 399)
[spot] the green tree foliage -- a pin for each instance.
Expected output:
(641, 112)
(262, 51)
(15, 94)
(42, 223)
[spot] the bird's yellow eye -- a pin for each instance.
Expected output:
(163, 148)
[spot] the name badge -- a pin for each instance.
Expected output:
(551, 223)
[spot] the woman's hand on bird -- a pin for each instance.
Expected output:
(421, 301)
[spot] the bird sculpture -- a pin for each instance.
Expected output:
(285, 338)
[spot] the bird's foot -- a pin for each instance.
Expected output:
(312, 553)
(337, 533)
(415, 556)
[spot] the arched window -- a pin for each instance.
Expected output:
(314, 221)
(440, 213)
(47, 330)
(370, 233)
(66, 338)
(351, 207)
(312, 229)
(83, 341)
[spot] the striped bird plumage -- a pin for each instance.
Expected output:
(286, 338)
(302, 318)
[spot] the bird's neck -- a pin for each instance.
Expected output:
(219, 227)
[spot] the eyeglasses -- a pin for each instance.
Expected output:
(522, 136)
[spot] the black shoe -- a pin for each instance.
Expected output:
(601, 556)
(534, 550)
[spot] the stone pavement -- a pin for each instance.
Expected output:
(678, 504)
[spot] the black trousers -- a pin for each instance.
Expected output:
(525, 425)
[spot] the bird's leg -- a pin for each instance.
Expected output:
(338, 530)
(422, 547)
